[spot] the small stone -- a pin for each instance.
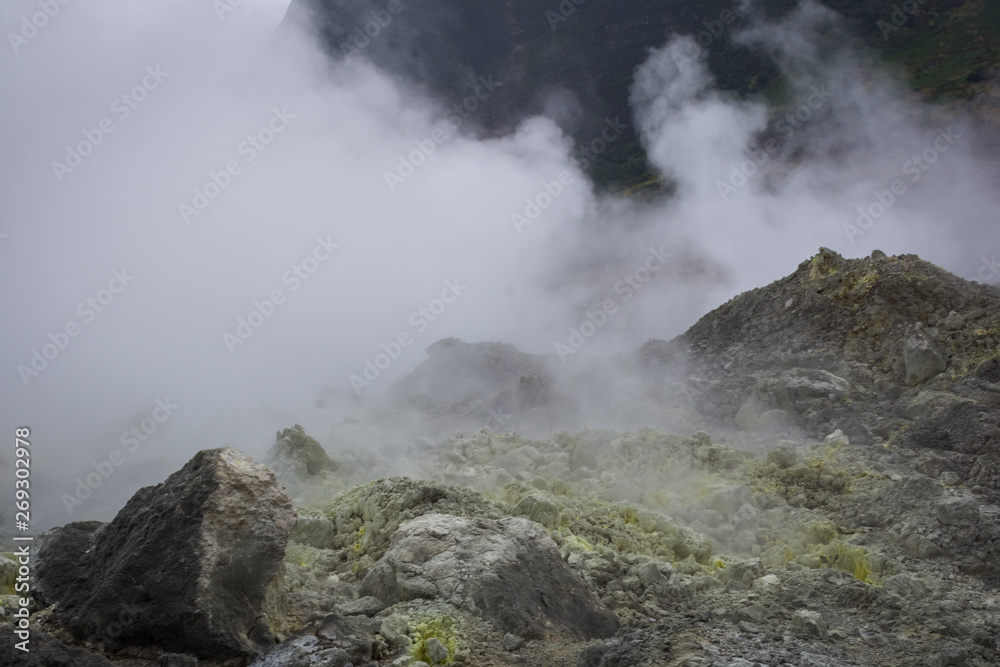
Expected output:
(749, 628)
(836, 439)
(922, 362)
(952, 655)
(957, 511)
(754, 613)
(650, 574)
(949, 478)
(512, 642)
(953, 322)
(539, 510)
(367, 606)
(810, 561)
(918, 546)
(768, 584)
(906, 586)
(809, 623)
(436, 651)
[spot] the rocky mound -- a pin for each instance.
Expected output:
(457, 374)
(298, 459)
(882, 348)
(905, 319)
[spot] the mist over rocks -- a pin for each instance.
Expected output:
(184, 567)
(822, 497)
(456, 372)
(807, 475)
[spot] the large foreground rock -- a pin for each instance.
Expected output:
(508, 571)
(184, 566)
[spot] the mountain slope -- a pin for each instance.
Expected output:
(574, 61)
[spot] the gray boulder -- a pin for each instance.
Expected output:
(508, 571)
(803, 383)
(921, 360)
(183, 567)
(959, 512)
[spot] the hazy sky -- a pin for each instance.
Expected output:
(169, 170)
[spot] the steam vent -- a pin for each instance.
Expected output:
(500, 333)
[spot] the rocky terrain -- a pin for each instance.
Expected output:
(810, 476)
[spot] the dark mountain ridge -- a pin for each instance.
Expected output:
(574, 61)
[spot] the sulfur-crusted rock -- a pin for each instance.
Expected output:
(539, 510)
(295, 456)
(508, 571)
(184, 566)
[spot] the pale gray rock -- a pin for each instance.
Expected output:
(921, 360)
(809, 623)
(957, 512)
(507, 571)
